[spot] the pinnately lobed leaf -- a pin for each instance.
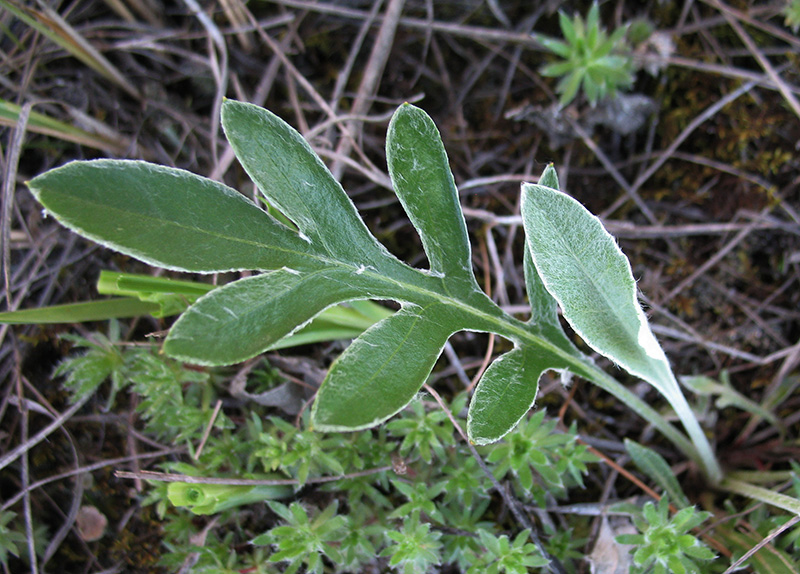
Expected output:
(174, 219)
(321, 253)
(178, 220)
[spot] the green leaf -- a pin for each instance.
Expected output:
(294, 179)
(116, 308)
(505, 393)
(167, 217)
(134, 285)
(424, 184)
(172, 296)
(335, 323)
(654, 466)
(556, 46)
(383, 369)
(246, 317)
(568, 28)
(586, 272)
(178, 220)
(593, 25)
(544, 309)
(584, 269)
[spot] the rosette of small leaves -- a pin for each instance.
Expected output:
(503, 555)
(299, 453)
(302, 541)
(424, 434)
(665, 545)
(460, 543)
(360, 451)
(465, 479)
(572, 457)
(420, 499)
(359, 546)
(530, 447)
(414, 548)
(565, 546)
(591, 59)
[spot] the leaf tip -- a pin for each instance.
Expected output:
(549, 177)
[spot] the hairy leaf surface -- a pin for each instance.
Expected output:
(382, 370)
(584, 269)
(507, 390)
(424, 184)
(167, 217)
(174, 219)
(246, 317)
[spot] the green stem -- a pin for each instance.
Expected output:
(488, 316)
(761, 476)
(708, 461)
(648, 413)
(763, 494)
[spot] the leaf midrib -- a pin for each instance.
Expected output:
(155, 219)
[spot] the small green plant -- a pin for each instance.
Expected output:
(11, 541)
(297, 452)
(592, 60)
(791, 13)
(428, 433)
(504, 556)
(537, 449)
(303, 541)
(414, 548)
(665, 545)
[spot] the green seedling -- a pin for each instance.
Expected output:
(303, 541)
(665, 544)
(727, 396)
(177, 220)
(505, 556)
(592, 61)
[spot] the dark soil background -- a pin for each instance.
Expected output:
(704, 194)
